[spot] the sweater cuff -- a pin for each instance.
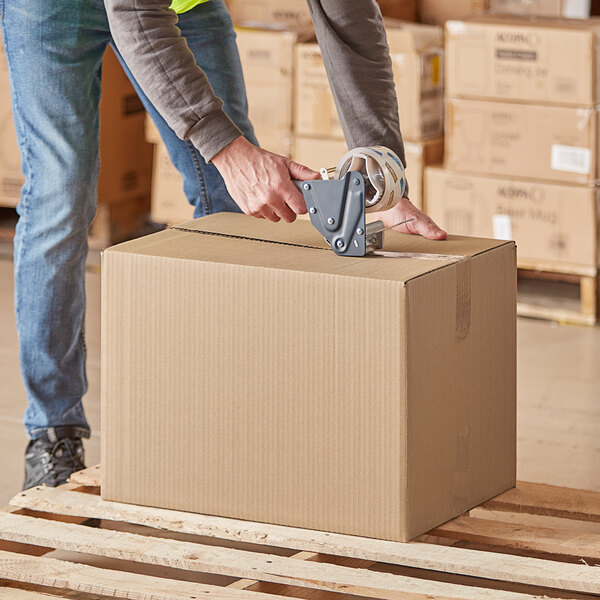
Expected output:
(212, 133)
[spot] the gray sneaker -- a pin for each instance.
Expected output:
(52, 462)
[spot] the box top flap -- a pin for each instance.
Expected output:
(592, 24)
(237, 239)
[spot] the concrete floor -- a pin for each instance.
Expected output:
(558, 391)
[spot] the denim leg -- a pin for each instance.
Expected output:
(209, 33)
(54, 50)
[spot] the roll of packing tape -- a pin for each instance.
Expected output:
(383, 172)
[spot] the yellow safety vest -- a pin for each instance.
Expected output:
(181, 6)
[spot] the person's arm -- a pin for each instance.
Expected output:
(352, 39)
(146, 35)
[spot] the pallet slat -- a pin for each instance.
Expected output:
(237, 563)
(539, 499)
(533, 571)
(114, 584)
(89, 477)
(522, 537)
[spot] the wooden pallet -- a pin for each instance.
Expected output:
(559, 296)
(67, 542)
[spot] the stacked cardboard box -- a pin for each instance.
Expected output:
(522, 137)
(125, 157)
(417, 57)
(295, 13)
(440, 11)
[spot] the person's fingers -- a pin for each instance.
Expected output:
(298, 171)
(283, 211)
(422, 225)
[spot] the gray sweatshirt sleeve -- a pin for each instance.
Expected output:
(151, 44)
(352, 39)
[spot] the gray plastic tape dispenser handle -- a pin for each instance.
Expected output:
(337, 209)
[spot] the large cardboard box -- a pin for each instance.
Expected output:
(552, 143)
(11, 177)
(440, 11)
(274, 13)
(249, 372)
(553, 225)
(574, 9)
(535, 60)
(169, 203)
(417, 60)
(268, 63)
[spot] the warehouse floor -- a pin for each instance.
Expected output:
(558, 391)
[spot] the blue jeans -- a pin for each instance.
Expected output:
(54, 50)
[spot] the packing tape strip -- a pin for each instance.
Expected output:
(382, 169)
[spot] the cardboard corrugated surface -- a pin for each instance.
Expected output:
(275, 13)
(268, 381)
(552, 224)
(461, 371)
(523, 60)
(552, 143)
(418, 156)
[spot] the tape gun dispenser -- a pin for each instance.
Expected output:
(366, 179)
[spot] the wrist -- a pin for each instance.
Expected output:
(230, 152)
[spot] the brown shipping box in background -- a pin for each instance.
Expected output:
(11, 177)
(440, 11)
(125, 156)
(169, 203)
(552, 143)
(527, 60)
(317, 153)
(372, 396)
(268, 63)
(399, 9)
(553, 225)
(282, 13)
(578, 9)
(418, 156)
(417, 59)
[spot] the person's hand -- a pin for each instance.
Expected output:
(260, 182)
(421, 224)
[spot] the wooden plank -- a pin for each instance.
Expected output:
(539, 499)
(238, 563)
(243, 584)
(589, 295)
(88, 477)
(17, 594)
(536, 267)
(114, 584)
(572, 317)
(532, 571)
(522, 537)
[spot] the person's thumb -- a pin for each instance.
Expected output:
(298, 171)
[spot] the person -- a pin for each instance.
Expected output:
(170, 52)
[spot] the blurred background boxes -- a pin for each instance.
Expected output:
(549, 143)
(124, 182)
(554, 225)
(523, 60)
(11, 177)
(417, 59)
